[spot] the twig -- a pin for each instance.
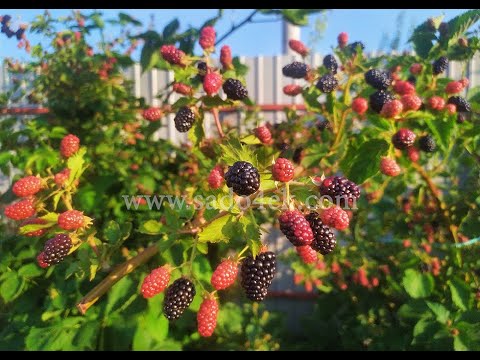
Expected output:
(236, 27)
(117, 274)
(436, 195)
(217, 122)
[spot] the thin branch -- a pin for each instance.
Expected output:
(217, 122)
(435, 191)
(236, 27)
(117, 274)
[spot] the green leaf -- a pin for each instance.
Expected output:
(442, 130)
(33, 227)
(441, 313)
(250, 140)
(151, 227)
(76, 165)
(468, 338)
(235, 151)
(461, 293)
(118, 293)
(251, 232)
(414, 309)
(4, 158)
(30, 271)
(126, 19)
(10, 287)
(51, 217)
(214, 101)
(416, 284)
(366, 162)
(460, 24)
(218, 230)
(298, 16)
(111, 232)
(425, 330)
(171, 29)
(197, 133)
(184, 101)
(470, 224)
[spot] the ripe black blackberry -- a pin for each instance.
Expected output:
(462, 104)
(323, 124)
(184, 119)
(403, 139)
(202, 70)
(324, 239)
(327, 83)
(427, 143)
(353, 46)
(243, 177)
(298, 155)
(330, 63)
(234, 89)
(380, 98)
(440, 65)
(257, 275)
(56, 249)
(379, 79)
(178, 298)
(339, 187)
(412, 80)
(296, 70)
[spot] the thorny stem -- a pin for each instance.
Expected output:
(118, 273)
(217, 122)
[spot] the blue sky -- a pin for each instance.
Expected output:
(367, 25)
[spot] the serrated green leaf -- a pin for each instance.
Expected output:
(366, 162)
(111, 232)
(127, 19)
(33, 227)
(468, 338)
(442, 130)
(235, 151)
(50, 217)
(461, 293)
(425, 330)
(197, 133)
(30, 270)
(214, 101)
(171, 28)
(151, 227)
(76, 164)
(441, 312)
(460, 24)
(414, 309)
(10, 287)
(184, 101)
(202, 248)
(250, 140)
(416, 284)
(221, 229)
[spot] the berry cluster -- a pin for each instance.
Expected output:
(31, 189)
